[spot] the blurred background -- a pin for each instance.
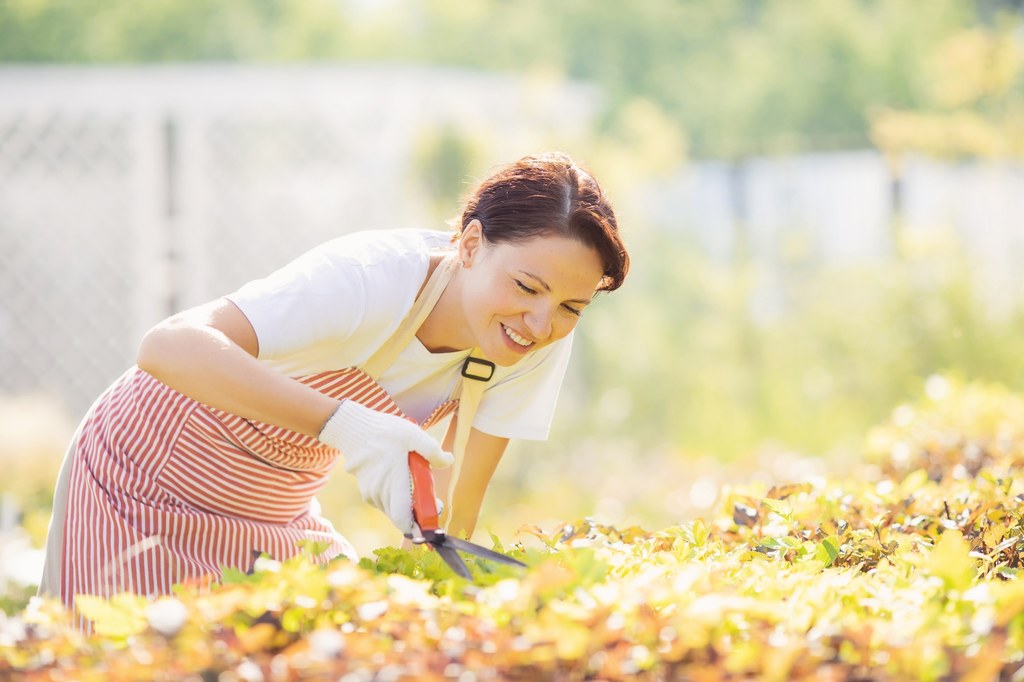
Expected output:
(824, 204)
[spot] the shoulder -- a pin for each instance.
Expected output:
(370, 263)
(341, 297)
(375, 248)
(352, 264)
(389, 266)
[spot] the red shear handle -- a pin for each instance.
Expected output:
(424, 504)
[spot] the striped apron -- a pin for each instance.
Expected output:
(159, 489)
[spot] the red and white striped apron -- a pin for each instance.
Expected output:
(160, 489)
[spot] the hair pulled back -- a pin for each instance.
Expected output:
(548, 195)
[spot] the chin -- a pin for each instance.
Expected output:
(502, 356)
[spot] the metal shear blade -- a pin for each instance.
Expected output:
(483, 552)
(426, 525)
(454, 561)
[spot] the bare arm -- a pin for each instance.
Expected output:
(209, 354)
(483, 452)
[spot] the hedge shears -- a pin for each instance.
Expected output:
(426, 525)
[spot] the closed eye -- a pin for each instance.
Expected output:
(524, 287)
(565, 306)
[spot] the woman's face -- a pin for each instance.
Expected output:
(521, 297)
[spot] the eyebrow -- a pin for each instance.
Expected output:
(584, 301)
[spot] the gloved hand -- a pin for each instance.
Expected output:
(376, 449)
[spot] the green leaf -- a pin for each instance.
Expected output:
(827, 551)
(234, 576)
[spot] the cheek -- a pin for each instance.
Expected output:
(564, 326)
(496, 300)
(484, 300)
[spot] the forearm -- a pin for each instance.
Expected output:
(466, 506)
(207, 365)
(474, 473)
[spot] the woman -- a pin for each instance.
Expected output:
(211, 449)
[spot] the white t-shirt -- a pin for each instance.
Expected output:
(335, 305)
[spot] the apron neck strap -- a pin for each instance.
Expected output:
(476, 371)
(403, 336)
(469, 389)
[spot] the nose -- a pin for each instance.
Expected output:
(539, 321)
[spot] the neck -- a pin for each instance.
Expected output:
(444, 330)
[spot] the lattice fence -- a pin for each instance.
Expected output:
(70, 261)
(128, 194)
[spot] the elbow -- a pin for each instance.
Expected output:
(148, 354)
(154, 349)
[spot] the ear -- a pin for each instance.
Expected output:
(470, 242)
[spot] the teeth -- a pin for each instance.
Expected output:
(515, 337)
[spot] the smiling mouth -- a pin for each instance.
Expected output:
(516, 339)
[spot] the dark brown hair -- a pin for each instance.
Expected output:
(544, 195)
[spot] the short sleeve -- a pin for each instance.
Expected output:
(521, 404)
(310, 301)
(333, 306)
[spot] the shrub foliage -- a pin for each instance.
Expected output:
(906, 571)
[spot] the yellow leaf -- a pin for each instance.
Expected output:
(995, 534)
(951, 561)
(549, 577)
(257, 637)
(779, 507)
(122, 616)
(913, 482)
(572, 640)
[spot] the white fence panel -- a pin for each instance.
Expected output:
(129, 193)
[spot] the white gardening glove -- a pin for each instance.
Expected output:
(376, 448)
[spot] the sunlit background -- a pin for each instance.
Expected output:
(824, 203)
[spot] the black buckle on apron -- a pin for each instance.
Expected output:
(483, 373)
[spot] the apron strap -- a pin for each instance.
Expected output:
(407, 328)
(476, 372)
(471, 383)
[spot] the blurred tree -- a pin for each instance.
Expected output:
(973, 104)
(444, 160)
(170, 30)
(736, 77)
